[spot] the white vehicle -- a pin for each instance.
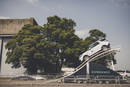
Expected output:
(94, 48)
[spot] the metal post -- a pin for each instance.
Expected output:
(87, 69)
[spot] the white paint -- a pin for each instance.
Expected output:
(112, 65)
(6, 69)
(87, 68)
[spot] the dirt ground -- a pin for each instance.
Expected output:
(48, 83)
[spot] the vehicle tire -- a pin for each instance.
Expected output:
(86, 57)
(104, 48)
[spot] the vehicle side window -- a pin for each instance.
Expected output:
(93, 45)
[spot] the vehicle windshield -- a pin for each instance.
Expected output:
(102, 39)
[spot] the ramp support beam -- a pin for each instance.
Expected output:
(87, 70)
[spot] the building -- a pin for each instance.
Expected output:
(8, 28)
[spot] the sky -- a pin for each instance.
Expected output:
(110, 16)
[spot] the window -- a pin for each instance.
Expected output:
(102, 39)
(93, 45)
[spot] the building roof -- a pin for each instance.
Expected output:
(13, 26)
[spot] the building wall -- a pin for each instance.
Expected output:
(6, 69)
(12, 26)
(0, 52)
(0, 45)
(8, 28)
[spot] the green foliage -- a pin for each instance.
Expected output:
(49, 47)
(23, 48)
(96, 34)
(60, 34)
(11, 44)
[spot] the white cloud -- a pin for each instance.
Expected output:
(3, 17)
(32, 1)
(83, 33)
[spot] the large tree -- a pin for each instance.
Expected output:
(23, 49)
(61, 31)
(45, 48)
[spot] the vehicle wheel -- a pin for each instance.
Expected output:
(104, 48)
(86, 57)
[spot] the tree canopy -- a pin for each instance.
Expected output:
(49, 47)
